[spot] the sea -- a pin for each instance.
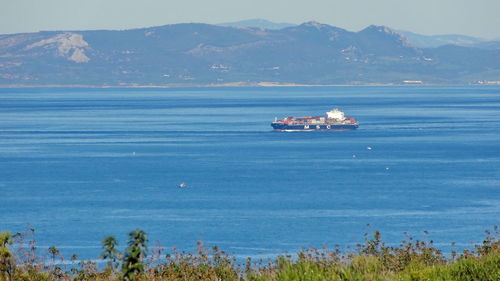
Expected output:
(80, 164)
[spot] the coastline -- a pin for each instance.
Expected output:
(230, 85)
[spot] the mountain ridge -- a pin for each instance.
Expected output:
(203, 54)
(417, 40)
(259, 23)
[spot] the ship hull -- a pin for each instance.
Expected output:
(293, 128)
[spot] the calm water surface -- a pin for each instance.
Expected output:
(80, 164)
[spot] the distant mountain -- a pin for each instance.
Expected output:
(203, 54)
(433, 41)
(258, 23)
(491, 45)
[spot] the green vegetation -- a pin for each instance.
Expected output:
(412, 260)
(110, 253)
(133, 265)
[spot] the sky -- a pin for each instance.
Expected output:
(479, 18)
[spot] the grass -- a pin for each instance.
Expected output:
(372, 260)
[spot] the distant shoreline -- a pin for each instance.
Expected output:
(228, 85)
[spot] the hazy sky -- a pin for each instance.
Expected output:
(479, 18)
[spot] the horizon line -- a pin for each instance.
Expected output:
(228, 24)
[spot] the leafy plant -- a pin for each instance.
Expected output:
(110, 252)
(7, 264)
(134, 255)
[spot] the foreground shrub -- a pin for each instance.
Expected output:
(373, 260)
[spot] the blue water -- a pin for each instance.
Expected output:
(80, 164)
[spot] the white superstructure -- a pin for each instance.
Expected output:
(336, 114)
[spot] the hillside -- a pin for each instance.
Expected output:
(200, 54)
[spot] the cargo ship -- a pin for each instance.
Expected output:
(334, 120)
